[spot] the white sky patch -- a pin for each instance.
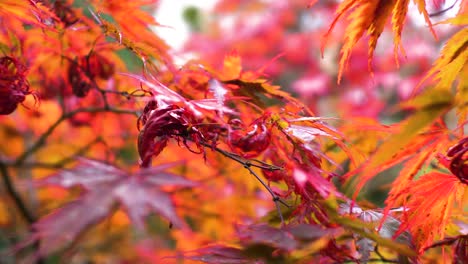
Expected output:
(177, 31)
(300, 176)
(169, 14)
(418, 19)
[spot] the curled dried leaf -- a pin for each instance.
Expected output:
(13, 84)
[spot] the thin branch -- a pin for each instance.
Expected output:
(248, 164)
(61, 163)
(378, 260)
(445, 242)
(381, 257)
(43, 138)
(252, 163)
(275, 197)
(444, 10)
(18, 201)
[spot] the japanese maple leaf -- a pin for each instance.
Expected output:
(249, 83)
(219, 254)
(30, 12)
(430, 206)
(13, 84)
(371, 16)
(285, 239)
(164, 95)
(389, 225)
(105, 186)
(451, 64)
(431, 198)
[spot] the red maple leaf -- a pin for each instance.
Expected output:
(105, 186)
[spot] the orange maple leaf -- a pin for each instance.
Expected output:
(232, 66)
(371, 16)
(29, 12)
(430, 202)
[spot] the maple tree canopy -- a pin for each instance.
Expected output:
(279, 132)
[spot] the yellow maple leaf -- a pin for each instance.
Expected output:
(453, 57)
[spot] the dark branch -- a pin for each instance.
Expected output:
(18, 201)
(444, 10)
(61, 163)
(248, 164)
(275, 197)
(446, 242)
(43, 138)
(382, 258)
(252, 163)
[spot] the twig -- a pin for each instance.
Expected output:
(18, 201)
(378, 260)
(239, 159)
(445, 242)
(248, 164)
(381, 257)
(61, 163)
(275, 197)
(444, 10)
(42, 139)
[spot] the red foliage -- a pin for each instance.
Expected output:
(249, 151)
(13, 84)
(249, 142)
(139, 193)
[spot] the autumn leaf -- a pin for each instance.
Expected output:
(29, 12)
(366, 227)
(133, 31)
(163, 96)
(105, 186)
(249, 83)
(270, 243)
(264, 234)
(389, 225)
(13, 84)
(218, 254)
(429, 105)
(430, 202)
(370, 16)
(452, 60)
(269, 160)
(406, 175)
(313, 178)
(232, 67)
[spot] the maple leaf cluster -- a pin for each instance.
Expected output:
(284, 139)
